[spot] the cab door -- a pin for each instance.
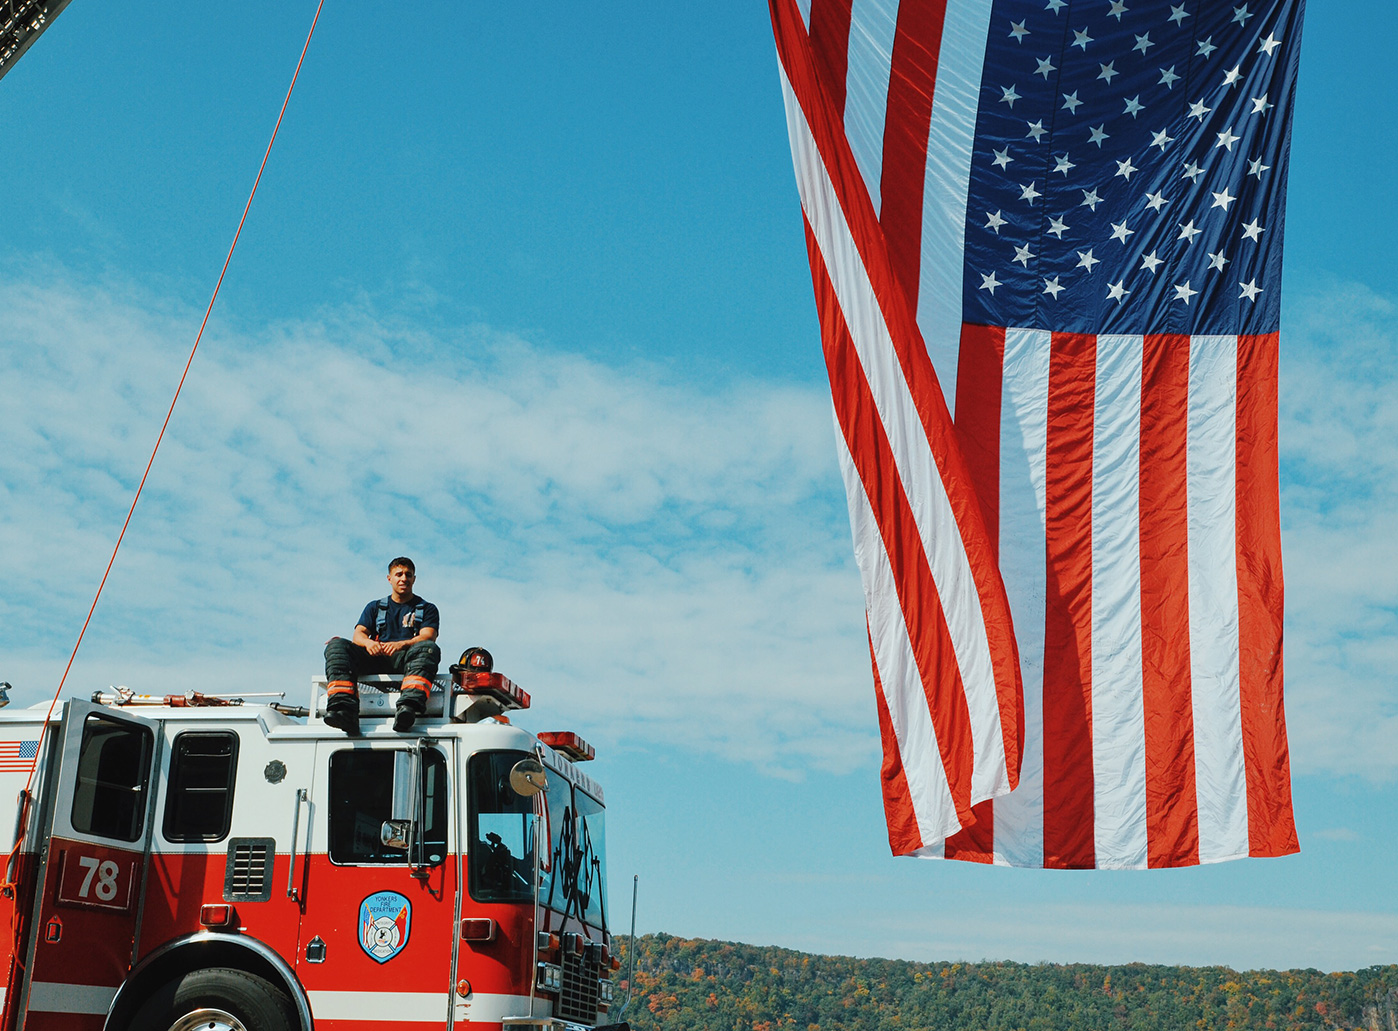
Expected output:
(98, 826)
(378, 920)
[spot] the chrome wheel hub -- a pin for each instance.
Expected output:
(208, 1019)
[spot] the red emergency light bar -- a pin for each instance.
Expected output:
(492, 685)
(569, 744)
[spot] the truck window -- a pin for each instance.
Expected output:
(361, 799)
(560, 820)
(109, 798)
(592, 877)
(199, 801)
(500, 838)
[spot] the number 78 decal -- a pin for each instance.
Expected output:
(96, 877)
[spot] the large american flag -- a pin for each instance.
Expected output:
(1045, 239)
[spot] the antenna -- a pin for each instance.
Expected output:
(631, 948)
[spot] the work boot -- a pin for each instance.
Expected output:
(412, 701)
(344, 717)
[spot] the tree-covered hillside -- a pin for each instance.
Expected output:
(684, 985)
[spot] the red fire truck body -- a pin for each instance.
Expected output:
(246, 866)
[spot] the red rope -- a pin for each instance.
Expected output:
(161, 436)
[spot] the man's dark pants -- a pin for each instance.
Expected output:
(346, 661)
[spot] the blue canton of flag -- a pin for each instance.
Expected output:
(1129, 166)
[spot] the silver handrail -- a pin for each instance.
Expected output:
(301, 796)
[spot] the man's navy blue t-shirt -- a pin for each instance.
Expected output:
(402, 623)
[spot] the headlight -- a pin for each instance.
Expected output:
(550, 977)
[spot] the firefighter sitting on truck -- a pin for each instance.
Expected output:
(396, 634)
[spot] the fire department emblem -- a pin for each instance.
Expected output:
(384, 919)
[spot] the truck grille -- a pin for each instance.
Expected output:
(578, 1000)
(247, 877)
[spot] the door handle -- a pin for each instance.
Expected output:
(291, 892)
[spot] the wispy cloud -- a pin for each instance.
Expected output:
(1339, 439)
(654, 558)
(1335, 834)
(651, 558)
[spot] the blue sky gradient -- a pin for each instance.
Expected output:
(524, 295)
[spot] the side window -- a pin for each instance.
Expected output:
(109, 798)
(500, 841)
(361, 799)
(199, 802)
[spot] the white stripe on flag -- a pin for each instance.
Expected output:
(916, 467)
(893, 654)
(1019, 816)
(1213, 599)
(947, 184)
(1118, 706)
(871, 29)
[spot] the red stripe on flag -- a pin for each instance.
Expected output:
(917, 592)
(976, 843)
(1068, 787)
(979, 376)
(1172, 814)
(1271, 824)
(830, 46)
(979, 381)
(903, 833)
(916, 366)
(912, 81)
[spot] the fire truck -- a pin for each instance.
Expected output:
(189, 862)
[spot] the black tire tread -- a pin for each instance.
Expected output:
(254, 1000)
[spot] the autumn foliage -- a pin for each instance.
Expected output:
(697, 985)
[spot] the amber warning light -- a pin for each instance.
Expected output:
(569, 744)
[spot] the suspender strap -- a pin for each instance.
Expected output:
(381, 618)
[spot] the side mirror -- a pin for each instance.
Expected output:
(394, 834)
(528, 778)
(403, 806)
(397, 831)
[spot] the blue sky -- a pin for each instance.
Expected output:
(524, 295)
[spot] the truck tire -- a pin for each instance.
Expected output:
(217, 999)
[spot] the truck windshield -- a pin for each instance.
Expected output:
(501, 831)
(575, 881)
(592, 878)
